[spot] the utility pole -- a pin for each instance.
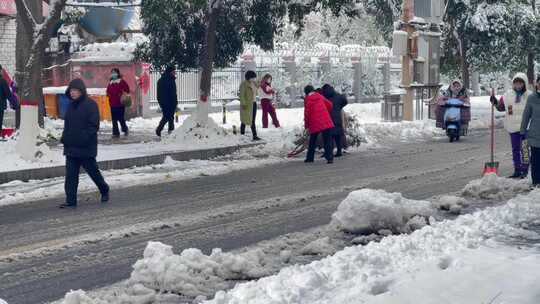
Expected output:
(406, 74)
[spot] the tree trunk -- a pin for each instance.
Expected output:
(530, 68)
(29, 79)
(465, 71)
(207, 62)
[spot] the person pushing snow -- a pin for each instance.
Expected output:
(513, 104)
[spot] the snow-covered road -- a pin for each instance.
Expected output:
(46, 252)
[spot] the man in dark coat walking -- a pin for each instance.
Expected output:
(80, 139)
(167, 99)
(339, 102)
(5, 94)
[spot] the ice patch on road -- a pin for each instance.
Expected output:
(369, 211)
(466, 247)
(493, 187)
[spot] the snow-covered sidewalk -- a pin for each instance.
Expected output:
(490, 256)
(279, 141)
(475, 259)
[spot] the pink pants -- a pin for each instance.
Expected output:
(268, 108)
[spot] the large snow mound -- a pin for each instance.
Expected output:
(193, 273)
(493, 187)
(191, 134)
(470, 246)
(366, 211)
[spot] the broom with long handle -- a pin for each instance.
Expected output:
(492, 167)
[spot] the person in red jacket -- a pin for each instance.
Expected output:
(318, 121)
(116, 88)
(267, 94)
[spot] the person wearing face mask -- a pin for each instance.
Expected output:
(513, 103)
(116, 88)
(248, 104)
(80, 139)
(267, 93)
(530, 131)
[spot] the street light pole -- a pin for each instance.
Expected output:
(406, 75)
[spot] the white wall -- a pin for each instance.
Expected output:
(8, 32)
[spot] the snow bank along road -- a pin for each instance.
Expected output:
(45, 252)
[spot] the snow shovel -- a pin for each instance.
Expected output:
(492, 167)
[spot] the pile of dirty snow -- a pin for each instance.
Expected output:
(493, 187)
(472, 257)
(190, 134)
(193, 273)
(370, 211)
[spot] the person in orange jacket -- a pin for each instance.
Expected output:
(317, 120)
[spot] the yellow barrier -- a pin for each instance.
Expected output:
(51, 105)
(104, 107)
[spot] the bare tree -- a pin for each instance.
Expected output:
(33, 35)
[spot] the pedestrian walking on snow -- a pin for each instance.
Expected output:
(80, 139)
(5, 95)
(338, 103)
(318, 121)
(248, 104)
(118, 91)
(267, 95)
(530, 131)
(167, 99)
(513, 103)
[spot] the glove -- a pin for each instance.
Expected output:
(523, 137)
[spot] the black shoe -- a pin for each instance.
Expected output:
(516, 174)
(105, 197)
(523, 175)
(338, 155)
(158, 132)
(309, 161)
(116, 136)
(331, 161)
(67, 205)
(256, 138)
(126, 133)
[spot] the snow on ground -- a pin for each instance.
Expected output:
(17, 192)
(476, 242)
(494, 187)
(361, 213)
(472, 255)
(279, 141)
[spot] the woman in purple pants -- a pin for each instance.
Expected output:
(513, 104)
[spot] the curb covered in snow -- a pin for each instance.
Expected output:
(124, 163)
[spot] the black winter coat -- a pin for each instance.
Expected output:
(5, 93)
(339, 102)
(166, 94)
(81, 125)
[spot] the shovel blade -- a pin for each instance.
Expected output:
(491, 168)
